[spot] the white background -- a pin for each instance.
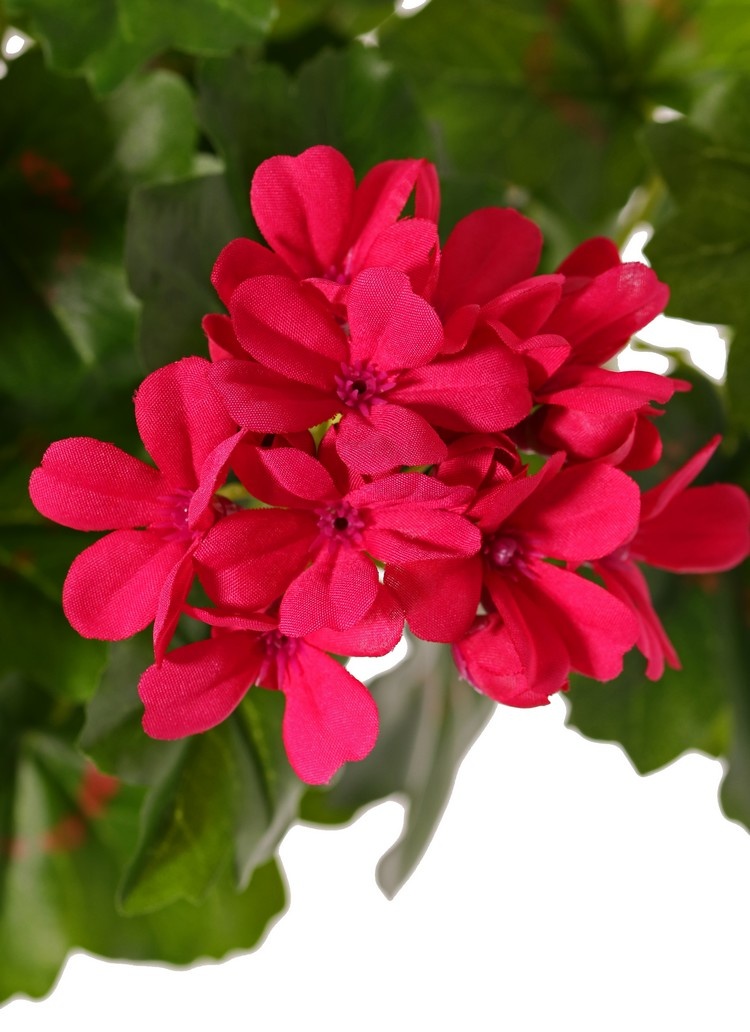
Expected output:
(560, 891)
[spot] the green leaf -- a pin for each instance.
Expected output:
(186, 828)
(66, 831)
(428, 720)
(545, 97)
(656, 721)
(108, 39)
(69, 164)
(112, 734)
(259, 792)
(268, 792)
(703, 248)
(253, 111)
(175, 233)
(66, 665)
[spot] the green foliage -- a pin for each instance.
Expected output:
(108, 39)
(428, 720)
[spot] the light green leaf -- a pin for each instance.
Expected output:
(428, 721)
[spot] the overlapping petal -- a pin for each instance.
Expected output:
(330, 717)
(199, 685)
(113, 587)
(91, 485)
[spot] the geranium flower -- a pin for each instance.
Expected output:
(324, 229)
(318, 551)
(131, 577)
(542, 620)
(329, 716)
(384, 376)
(590, 412)
(682, 529)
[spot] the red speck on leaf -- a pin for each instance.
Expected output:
(46, 179)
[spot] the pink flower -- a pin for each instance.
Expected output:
(130, 577)
(385, 375)
(329, 716)
(682, 529)
(541, 620)
(318, 551)
(324, 229)
(590, 412)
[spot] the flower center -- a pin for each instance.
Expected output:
(502, 551)
(335, 275)
(341, 522)
(275, 643)
(173, 523)
(362, 384)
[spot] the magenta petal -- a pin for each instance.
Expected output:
(487, 252)
(390, 324)
(489, 659)
(388, 437)
(658, 498)
(524, 307)
(211, 477)
(287, 327)
(590, 258)
(243, 259)
(410, 246)
(171, 601)
(284, 476)
(303, 207)
(438, 596)
(702, 530)
(199, 685)
(530, 623)
(222, 340)
(626, 582)
(596, 627)
(378, 631)
(91, 485)
(329, 718)
(248, 558)
(336, 592)
(600, 318)
(379, 200)
(405, 534)
(264, 401)
(181, 418)
(482, 388)
(408, 489)
(606, 392)
(582, 513)
(113, 587)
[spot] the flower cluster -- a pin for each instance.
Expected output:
(351, 458)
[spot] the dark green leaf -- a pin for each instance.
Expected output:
(268, 792)
(65, 831)
(69, 162)
(254, 111)
(185, 828)
(547, 97)
(685, 709)
(703, 249)
(175, 233)
(36, 640)
(113, 735)
(259, 791)
(108, 39)
(428, 720)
